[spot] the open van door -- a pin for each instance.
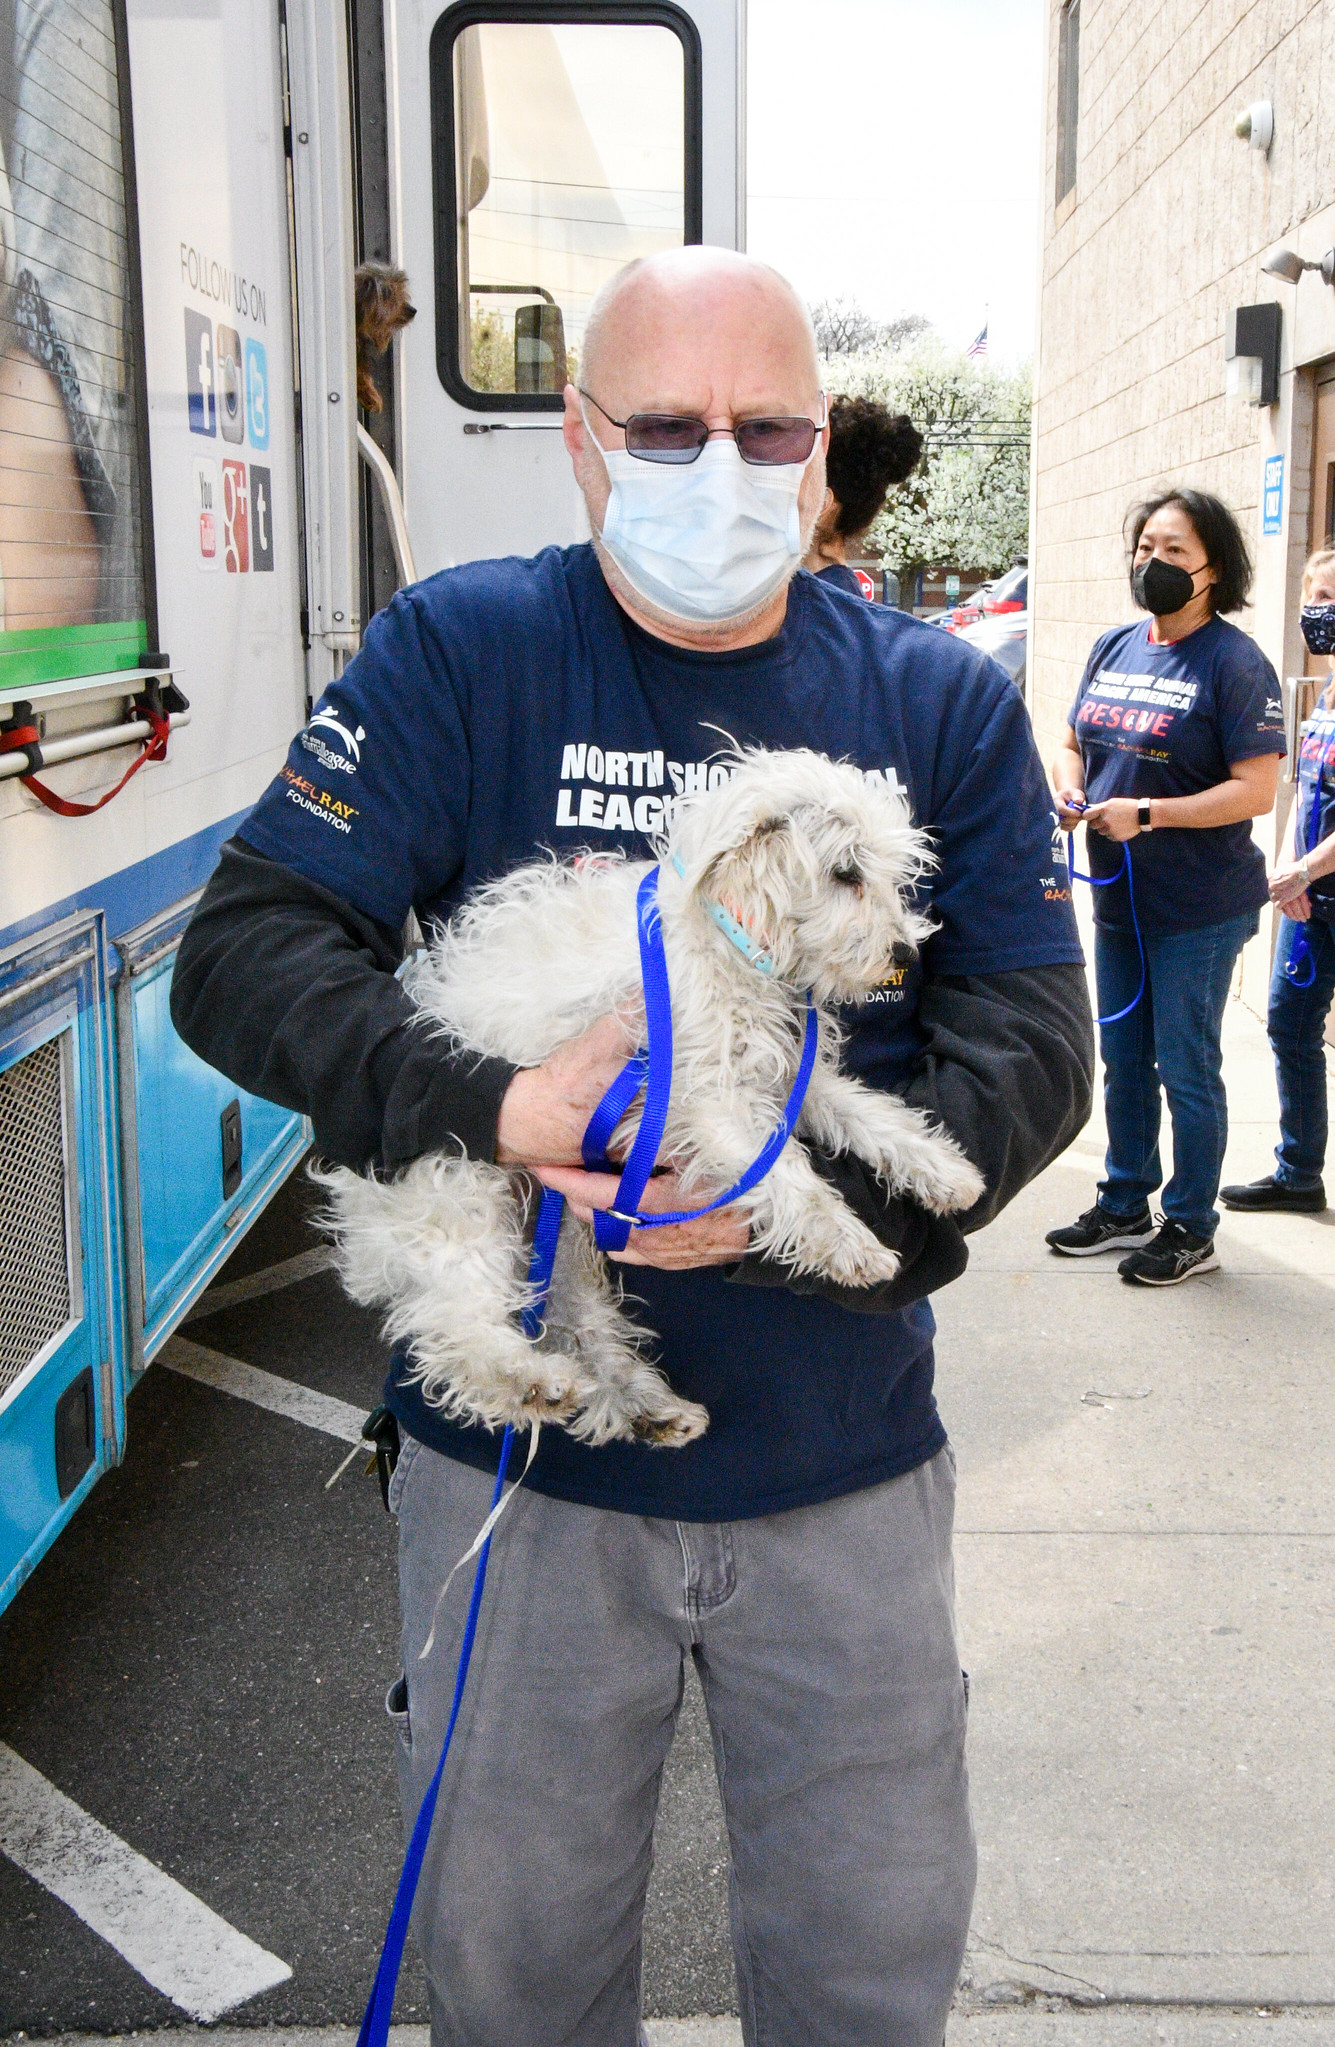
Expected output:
(535, 147)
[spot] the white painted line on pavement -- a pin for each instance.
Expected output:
(288, 1272)
(263, 1389)
(161, 1929)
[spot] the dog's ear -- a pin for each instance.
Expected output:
(755, 860)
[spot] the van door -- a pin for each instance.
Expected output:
(535, 148)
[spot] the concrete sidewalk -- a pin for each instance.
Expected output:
(1144, 1547)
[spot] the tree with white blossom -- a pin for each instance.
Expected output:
(968, 500)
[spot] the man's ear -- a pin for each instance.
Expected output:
(572, 427)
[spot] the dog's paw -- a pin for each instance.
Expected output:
(670, 1424)
(862, 1264)
(948, 1184)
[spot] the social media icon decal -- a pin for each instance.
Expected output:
(208, 514)
(236, 519)
(257, 394)
(261, 519)
(200, 376)
(231, 406)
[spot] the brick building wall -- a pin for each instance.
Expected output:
(1142, 261)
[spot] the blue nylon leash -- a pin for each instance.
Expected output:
(380, 2005)
(1106, 882)
(1300, 951)
(652, 1071)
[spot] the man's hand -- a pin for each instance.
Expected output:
(1070, 808)
(1118, 818)
(546, 1108)
(718, 1239)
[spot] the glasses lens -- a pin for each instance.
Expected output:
(665, 437)
(776, 440)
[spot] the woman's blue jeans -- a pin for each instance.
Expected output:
(1169, 1041)
(1296, 1023)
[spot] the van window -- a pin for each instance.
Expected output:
(572, 149)
(72, 598)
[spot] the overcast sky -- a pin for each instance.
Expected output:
(893, 151)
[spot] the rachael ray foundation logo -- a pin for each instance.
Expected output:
(330, 810)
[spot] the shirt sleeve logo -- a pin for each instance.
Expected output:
(326, 725)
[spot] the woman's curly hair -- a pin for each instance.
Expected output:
(870, 449)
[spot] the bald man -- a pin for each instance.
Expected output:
(799, 1553)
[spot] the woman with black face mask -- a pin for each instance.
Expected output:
(1303, 981)
(1172, 749)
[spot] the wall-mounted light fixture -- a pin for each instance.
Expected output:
(1255, 125)
(1251, 350)
(1286, 263)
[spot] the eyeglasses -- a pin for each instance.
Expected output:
(675, 437)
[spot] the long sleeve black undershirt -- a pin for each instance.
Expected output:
(291, 992)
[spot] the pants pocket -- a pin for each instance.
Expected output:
(396, 1706)
(408, 1455)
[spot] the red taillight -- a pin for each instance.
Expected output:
(1007, 604)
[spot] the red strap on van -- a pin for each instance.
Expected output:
(19, 738)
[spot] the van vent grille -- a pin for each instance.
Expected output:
(34, 1258)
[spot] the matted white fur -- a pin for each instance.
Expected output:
(817, 862)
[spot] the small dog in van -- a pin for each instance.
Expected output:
(812, 865)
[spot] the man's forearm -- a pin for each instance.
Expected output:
(291, 993)
(1008, 1071)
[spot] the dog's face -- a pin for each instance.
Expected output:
(816, 863)
(383, 304)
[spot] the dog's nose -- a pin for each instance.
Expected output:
(901, 952)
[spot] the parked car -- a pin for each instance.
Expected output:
(1005, 638)
(1009, 593)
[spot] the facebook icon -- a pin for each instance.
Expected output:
(257, 393)
(199, 374)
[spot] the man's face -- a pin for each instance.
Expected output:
(722, 353)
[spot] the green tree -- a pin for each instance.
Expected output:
(967, 503)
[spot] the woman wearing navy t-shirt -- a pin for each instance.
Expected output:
(1303, 982)
(871, 449)
(1172, 749)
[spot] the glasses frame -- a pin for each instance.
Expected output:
(713, 432)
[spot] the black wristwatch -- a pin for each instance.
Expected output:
(1143, 814)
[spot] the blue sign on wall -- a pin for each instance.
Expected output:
(1272, 512)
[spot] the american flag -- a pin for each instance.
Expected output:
(978, 346)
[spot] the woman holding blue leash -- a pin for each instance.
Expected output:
(1303, 982)
(1172, 748)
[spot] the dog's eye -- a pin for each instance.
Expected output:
(847, 874)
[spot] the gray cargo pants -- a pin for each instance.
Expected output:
(825, 1641)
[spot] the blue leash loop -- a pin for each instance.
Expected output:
(1106, 881)
(1300, 951)
(652, 1071)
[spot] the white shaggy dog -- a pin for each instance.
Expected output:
(815, 862)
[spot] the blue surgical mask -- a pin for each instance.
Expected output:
(706, 542)
(1318, 627)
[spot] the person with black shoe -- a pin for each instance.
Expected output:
(1303, 981)
(1172, 749)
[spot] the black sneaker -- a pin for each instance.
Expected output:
(1174, 1255)
(1272, 1193)
(1099, 1230)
